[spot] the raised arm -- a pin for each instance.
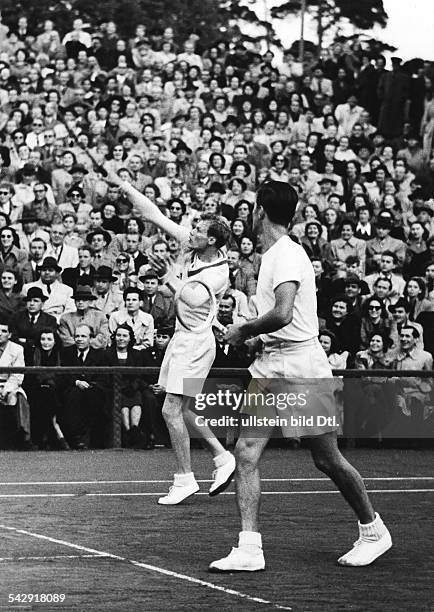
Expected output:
(150, 211)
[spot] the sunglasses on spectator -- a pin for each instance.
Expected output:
(374, 308)
(175, 208)
(4, 192)
(122, 260)
(39, 191)
(75, 195)
(25, 82)
(19, 136)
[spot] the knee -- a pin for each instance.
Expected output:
(172, 410)
(328, 464)
(247, 454)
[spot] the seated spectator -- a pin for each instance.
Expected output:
(25, 325)
(11, 256)
(314, 245)
(387, 265)
(155, 302)
(30, 230)
(324, 287)
(418, 262)
(343, 324)
(83, 273)
(84, 315)
(228, 356)
(250, 261)
(59, 295)
(66, 256)
(240, 279)
(337, 361)
(72, 236)
(141, 322)
(42, 390)
(375, 318)
(122, 353)
(345, 246)
(84, 395)
(37, 252)
(400, 318)
(76, 203)
(10, 299)
(99, 241)
(383, 242)
(414, 293)
(107, 299)
(377, 354)
(12, 355)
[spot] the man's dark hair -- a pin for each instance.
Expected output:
(279, 201)
(414, 332)
(4, 321)
(229, 296)
(131, 290)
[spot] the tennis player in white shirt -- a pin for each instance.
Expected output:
(189, 354)
(287, 325)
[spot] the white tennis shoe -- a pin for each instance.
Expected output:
(240, 560)
(178, 493)
(366, 549)
(222, 476)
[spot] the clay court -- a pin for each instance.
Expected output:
(87, 525)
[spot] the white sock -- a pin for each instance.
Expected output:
(183, 480)
(250, 540)
(373, 531)
(221, 459)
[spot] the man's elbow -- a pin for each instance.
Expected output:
(284, 318)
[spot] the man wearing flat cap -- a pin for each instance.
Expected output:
(106, 299)
(156, 303)
(59, 296)
(25, 325)
(84, 315)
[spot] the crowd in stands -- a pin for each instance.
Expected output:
(197, 128)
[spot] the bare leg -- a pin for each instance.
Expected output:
(204, 432)
(135, 414)
(329, 460)
(125, 413)
(248, 451)
(173, 415)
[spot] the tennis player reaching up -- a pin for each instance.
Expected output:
(288, 327)
(189, 355)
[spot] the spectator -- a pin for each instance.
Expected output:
(337, 360)
(83, 273)
(42, 390)
(343, 324)
(107, 300)
(122, 353)
(156, 303)
(59, 296)
(345, 246)
(375, 318)
(11, 256)
(10, 299)
(83, 406)
(25, 325)
(11, 392)
(66, 256)
(84, 315)
(414, 293)
(141, 322)
(400, 313)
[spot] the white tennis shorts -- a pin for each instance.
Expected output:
(187, 362)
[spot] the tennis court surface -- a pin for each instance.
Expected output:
(87, 526)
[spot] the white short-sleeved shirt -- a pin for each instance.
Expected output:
(287, 261)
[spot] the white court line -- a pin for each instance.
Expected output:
(53, 557)
(92, 482)
(155, 494)
(151, 568)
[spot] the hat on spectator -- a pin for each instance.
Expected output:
(327, 179)
(165, 329)
(35, 293)
(216, 187)
(231, 119)
(401, 303)
(128, 135)
(181, 146)
(178, 117)
(79, 168)
(148, 274)
(83, 292)
(214, 155)
(99, 232)
(385, 220)
(28, 217)
(352, 279)
(28, 170)
(104, 273)
(50, 263)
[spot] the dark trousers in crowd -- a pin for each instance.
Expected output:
(83, 419)
(44, 405)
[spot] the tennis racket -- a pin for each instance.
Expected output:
(196, 307)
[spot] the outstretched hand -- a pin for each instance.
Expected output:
(158, 264)
(113, 178)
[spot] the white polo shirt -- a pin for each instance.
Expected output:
(287, 261)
